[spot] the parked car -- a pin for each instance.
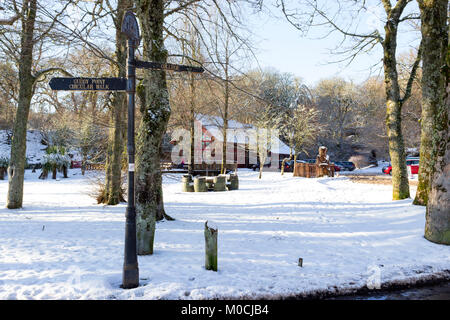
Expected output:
(413, 163)
(289, 165)
(345, 165)
(75, 164)
(267, 165)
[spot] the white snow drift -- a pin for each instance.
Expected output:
(62, 245)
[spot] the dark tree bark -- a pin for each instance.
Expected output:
(436, 71)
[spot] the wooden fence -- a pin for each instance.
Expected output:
(307, 170)
(95, 166)
(311, 170)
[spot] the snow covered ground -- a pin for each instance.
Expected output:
(35, 150)
(62, 245)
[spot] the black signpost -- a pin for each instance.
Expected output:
(167, 66)
(130, 27)
(88, 84)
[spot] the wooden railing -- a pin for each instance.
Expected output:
(312, 170)
(95, 166)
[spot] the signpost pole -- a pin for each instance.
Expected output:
(130, 267)
(130, 27)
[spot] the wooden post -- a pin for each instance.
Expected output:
(145, 240)
(210, 247)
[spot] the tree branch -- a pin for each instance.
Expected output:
(10, 21)
(43, 72)
(412, 76)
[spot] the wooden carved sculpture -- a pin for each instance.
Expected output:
(324, 167)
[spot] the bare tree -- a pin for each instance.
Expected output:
(319, 13)
(33, 29)
(113, 183)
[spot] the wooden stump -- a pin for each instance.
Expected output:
(220, 183)
(186, 183)
(2, 173)
(210, 248)
(145, 234)
(234, 182)
(54, 173)
(200, 184)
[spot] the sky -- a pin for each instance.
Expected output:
(281, 46)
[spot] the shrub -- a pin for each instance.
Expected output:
(55, 160)
(4, 162)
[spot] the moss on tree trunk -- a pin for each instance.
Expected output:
(155, 111)
(437, 71)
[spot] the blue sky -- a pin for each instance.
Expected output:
(282, 47)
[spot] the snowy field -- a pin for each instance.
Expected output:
(62, 245)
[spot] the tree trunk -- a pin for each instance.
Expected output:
(113, 183)
(261, 166)
(400, 183)
(114, 192)
(225, 120)
(103, 196)
(210, 247)
(433, 30)
(155, 110)
(192, 127)
(26, 82)
(44, 174)
(437, 227)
